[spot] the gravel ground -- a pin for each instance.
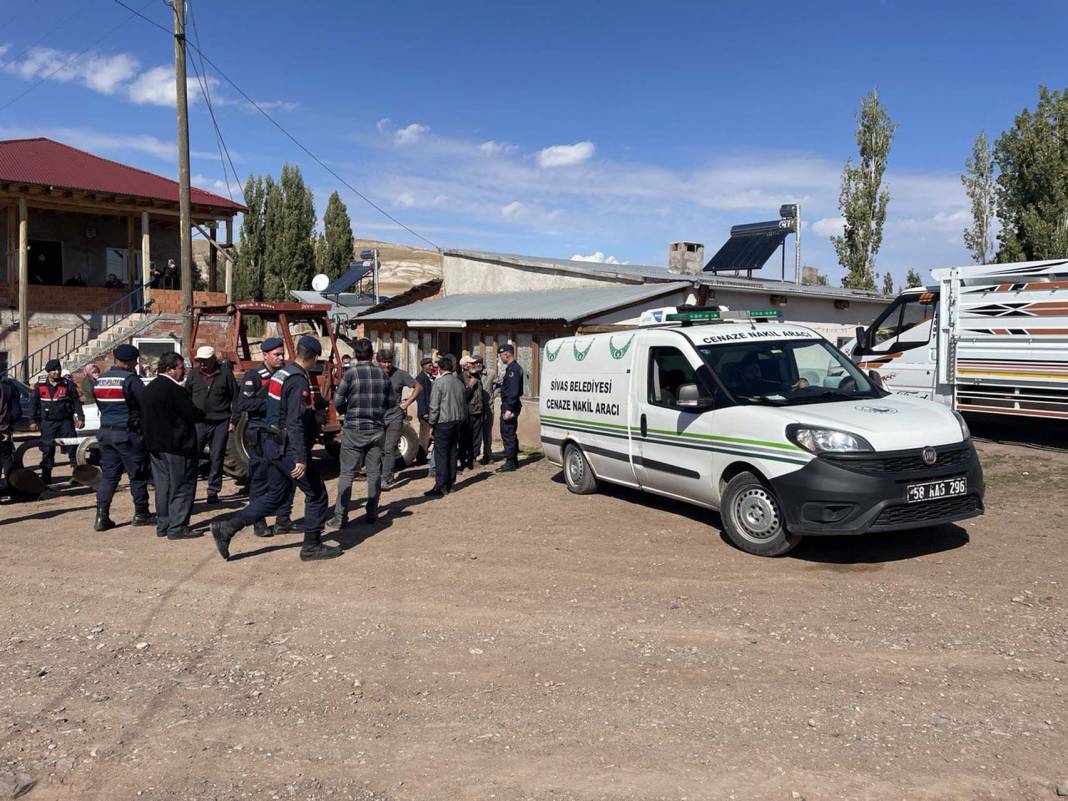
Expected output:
(513, 641)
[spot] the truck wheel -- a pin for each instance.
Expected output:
(235, 462)
(408, 445)
(753, 518)
(88, 452)
(578, 475)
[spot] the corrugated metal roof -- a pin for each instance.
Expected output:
(642, 273)
(568, 305)
(45, 162)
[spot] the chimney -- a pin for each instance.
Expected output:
(686, 258)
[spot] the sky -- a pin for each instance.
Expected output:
(604, 130)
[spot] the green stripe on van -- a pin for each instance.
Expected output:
(710, 437)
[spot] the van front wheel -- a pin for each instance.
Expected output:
(577, 473)
(753, 517)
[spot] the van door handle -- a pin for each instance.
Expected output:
(645, 427)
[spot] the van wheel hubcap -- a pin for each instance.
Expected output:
(575, 467)
(757, 514)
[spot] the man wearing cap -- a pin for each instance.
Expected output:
(364, 397)
(55, 410)
(425, 380)
(252, 403)
(214, 390)
(511, 391)
(448, 411)
(118, 397)
(396, 413)
(290, 431)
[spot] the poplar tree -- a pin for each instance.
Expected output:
(249, 267)
(888, 284)
(862, 200)
(978, 180)
(333, 249)
(913, 279)
(289, 232)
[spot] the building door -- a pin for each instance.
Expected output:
(46, 262)
(451, 342)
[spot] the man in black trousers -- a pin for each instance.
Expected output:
(448, 412)
(214, 391)
(169, 420)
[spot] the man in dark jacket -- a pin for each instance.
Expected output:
(214, 390)
(425, 380)
(169, 429)
(55, 411)
(10, 414)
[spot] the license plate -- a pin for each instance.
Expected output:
(934, 490)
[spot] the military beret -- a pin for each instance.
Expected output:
(53, 364)
(126, 353)
(271, 343)
(506, 349)
(310, 344)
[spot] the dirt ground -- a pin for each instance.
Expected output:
(513, 641)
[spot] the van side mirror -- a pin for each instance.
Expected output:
(862, 337)
(690, 398)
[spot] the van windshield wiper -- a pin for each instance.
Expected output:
(769, 400)
(830, 394)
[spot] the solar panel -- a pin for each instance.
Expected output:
(346, 281)
(749, 247)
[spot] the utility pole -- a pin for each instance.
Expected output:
(184, 202)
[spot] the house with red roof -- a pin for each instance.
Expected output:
(88, 239)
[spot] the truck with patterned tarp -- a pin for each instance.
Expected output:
(983, 339)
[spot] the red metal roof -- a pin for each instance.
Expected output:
(46, 162)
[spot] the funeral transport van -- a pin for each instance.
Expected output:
(763, 420)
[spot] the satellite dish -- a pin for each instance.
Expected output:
(320, 282)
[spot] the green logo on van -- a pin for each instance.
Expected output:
(550, 355)
(619, 353)
(581, 354)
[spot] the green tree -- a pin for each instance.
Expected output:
(289, 234)
(913, 279)
(249, 268)
(333, 248)
(862, 200)
(888, 284)
(978, 180)
(1032, 182)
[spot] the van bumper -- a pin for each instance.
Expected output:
(840, 495)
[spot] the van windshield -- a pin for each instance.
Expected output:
(787, 372)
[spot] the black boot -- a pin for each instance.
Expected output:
(222, 531)
(282, 525)
(261, 529)
(46, 475)
(313, 549)
(508, 467)
(143, 517)
(103, 522)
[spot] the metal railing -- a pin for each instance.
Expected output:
(98, 323)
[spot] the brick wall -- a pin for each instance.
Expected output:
(169, 301)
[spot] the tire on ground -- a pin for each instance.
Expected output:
(578, 475)
(235, 462)
(752, 517)
(408, 445)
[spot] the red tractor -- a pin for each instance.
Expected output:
(326, 375)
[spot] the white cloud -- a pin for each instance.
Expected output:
(492, 148)
(598, 257)
(211, 184)
(511, 211)
(383, 125)
(828, 226)
(565, 155)
(104, 74)
(410, 134)
(155, 87)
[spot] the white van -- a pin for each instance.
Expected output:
(765, 421)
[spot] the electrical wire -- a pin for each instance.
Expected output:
(78, 55)
(283, 130)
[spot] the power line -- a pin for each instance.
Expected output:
(78, 55)
(281, 128)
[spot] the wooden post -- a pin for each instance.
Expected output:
(213, 258)
(229, 259)
(12, 251)
(24, 284)
(131, 254)
(146, 258)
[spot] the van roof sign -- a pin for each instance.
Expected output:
(691, 315)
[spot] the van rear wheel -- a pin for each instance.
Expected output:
(753, 517)
(577, 473)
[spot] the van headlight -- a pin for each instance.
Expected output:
(826, 440)
(964, 430)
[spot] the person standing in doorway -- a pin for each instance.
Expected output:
(425, 379)
(511, 392)
(55, 411)
(214, 391)
(170, 433)
(118, 397)
(396, 414)
(447, 413)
